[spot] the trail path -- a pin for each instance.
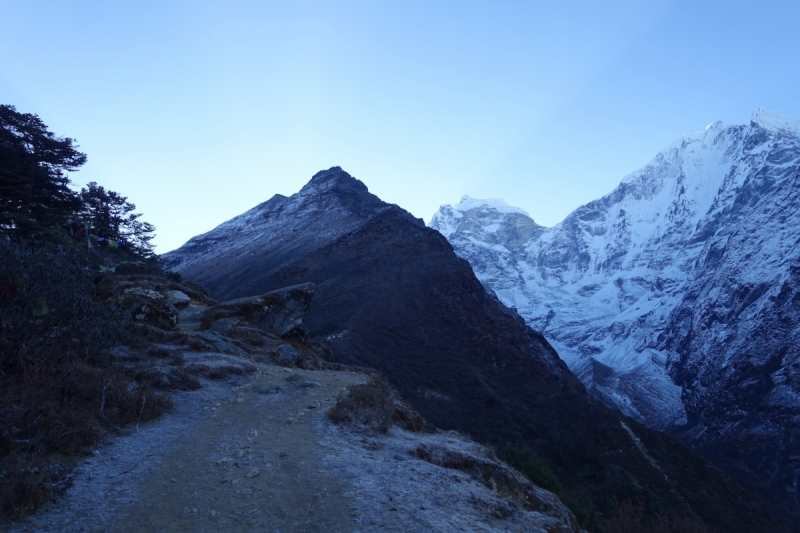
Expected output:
(256, 453)
(227, 459)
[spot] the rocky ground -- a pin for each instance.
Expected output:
(258, 453)
(253, 450)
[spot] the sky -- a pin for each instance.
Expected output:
(199, 110)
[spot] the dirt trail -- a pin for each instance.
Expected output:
(257, 453)
(235, 457)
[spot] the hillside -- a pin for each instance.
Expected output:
(674, 297)
(392, 295)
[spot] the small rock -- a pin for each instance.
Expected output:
(213, 512)
(266, 388)
(177, 297)
(287, 354)
(289, 420)
(254, 472)
(173, 480)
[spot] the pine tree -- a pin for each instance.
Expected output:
(34, 188)
(112, 216)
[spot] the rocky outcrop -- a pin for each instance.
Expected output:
(215, 339)
(673, 297)
(152, 300)
(277, 312)
(392, 295)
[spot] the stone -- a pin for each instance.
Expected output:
(267, 389)
(253, 473)
(277, 312)
(177, 298)
(150, 299)
(189, 317)
(287, 354)
(223, 325)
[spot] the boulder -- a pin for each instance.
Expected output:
(286, 354)
(178, 298)
(277, 312)
(149, 299)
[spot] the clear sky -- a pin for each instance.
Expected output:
(198, 110)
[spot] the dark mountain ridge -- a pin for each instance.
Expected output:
(392, 295)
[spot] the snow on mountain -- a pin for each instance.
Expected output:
(671, 297)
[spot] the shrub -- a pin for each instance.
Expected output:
(629, 517)
(59, 393)
(532, 467)
(375, 406)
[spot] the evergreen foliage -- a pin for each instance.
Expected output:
(34, 192)
(35, 197)
(112, 216)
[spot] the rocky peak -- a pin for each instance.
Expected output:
(334, 179)
(775, 122)
(664, 296)
(392, 295)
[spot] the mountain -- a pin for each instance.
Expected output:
(675, 297)
(391, 294)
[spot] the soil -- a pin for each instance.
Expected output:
(257, 453)
(227, 459)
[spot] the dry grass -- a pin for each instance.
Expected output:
(59, 393)
(375, 407)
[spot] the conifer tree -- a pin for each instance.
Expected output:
(34, 191)
(112, 216)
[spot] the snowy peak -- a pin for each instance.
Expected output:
(673, 296)
(490, 220)
(775, 122)
(468, 203)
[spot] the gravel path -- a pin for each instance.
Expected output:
(229, 458)
(258, 454)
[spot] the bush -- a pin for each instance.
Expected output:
(532, 467)
(375, 406)
(629, 517)
(59, 393)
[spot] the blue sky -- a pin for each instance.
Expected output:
(199, 110)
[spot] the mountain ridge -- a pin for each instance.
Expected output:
(392, 295)
(662, 294)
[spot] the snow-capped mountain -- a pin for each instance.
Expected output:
(393, 296)
(676, 296)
